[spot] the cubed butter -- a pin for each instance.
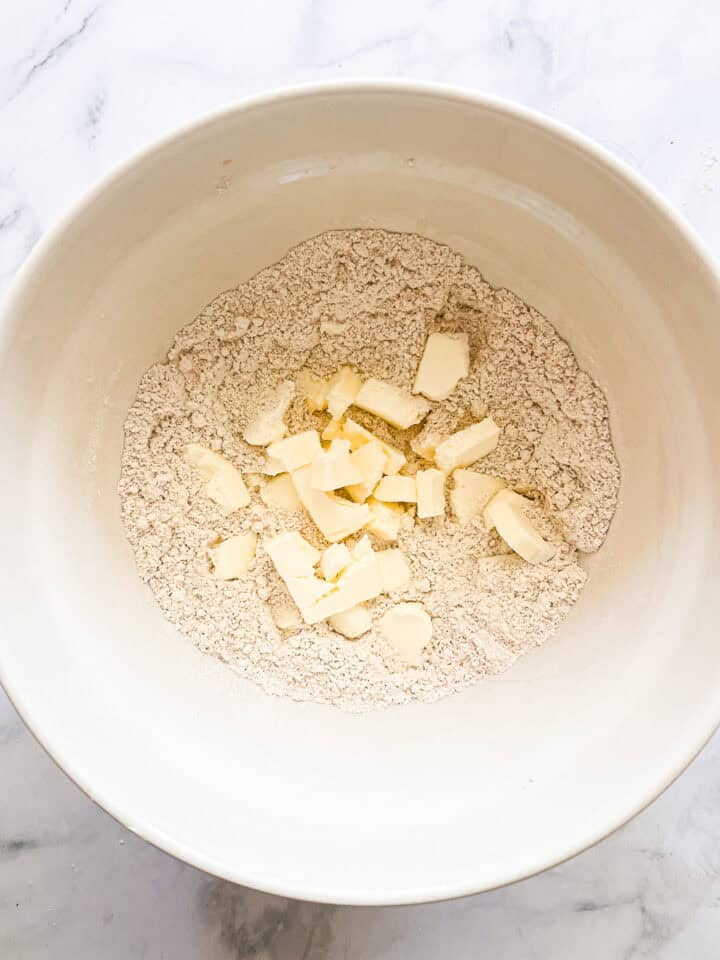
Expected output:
(472, 493)
(286, 617)
(232, 558)
(292, 555)
(358, 583)
(333, 469)
(369, 460)
(506, 512)
(430, 493)
(333, 430)
(352, 623)
(314, 391)
(468, 445)
(385, 519)
(407, 628)
(272, 467)
(296, 451)
(279, 494)
(334, 560)
(342, 390)
(394, 570)
(268, 426)
(392, 404)
(224, 484)
(445, 361)
(396, 489)
(295, 559)
(359, 436)
(334, 517)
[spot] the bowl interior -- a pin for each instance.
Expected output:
(427, 800)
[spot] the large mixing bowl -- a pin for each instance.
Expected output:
(424, 801)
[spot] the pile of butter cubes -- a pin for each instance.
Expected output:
(349, 480)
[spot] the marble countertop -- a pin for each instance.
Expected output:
(85, 82)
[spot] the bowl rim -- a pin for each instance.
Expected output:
(707, 721)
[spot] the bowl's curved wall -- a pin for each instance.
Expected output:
(425, 801)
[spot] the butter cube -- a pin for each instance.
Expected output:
(430, 493)
(369, 460)
(279, 494)
(342, 390)
(392, 404)
(334, 560)
(272, 467)
(333, 469)
(292, 555)
(352, 623)
(472, 493)
(231, 558)
(297, 451)
(268, 426)
(286, 617)
(468, 445)
(359, 436)
(361, 581)
(396, 489)
(385, 519)
(394, 570)
(445, 361)
(334, 430)
(334, 517)
(224, 484)
(407, 628)
(506, 512)
(294, 559)
(314, 391)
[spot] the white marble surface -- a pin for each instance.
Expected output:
(83, 83)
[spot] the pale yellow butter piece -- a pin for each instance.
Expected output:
(314, 390)
(361, 581)
(352, 623)
(359, 436)
(396, 489)
(295, 559)
(394, 570)
(296, 451)
(407, 628)
(385, 519)
(279, 494)
(334, 430)
(369, 460)
(445, 361)
(268, 426)
(343, 387)
(392, 404)
(335, 517)
(430, 493)
(506, 512)
(333, 469)
(232, 558)
(468, 445)
(272, 468)
(334, 560)
(224, 484)
(286, 617)
(472, 493)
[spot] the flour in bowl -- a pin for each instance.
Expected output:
(367, 302)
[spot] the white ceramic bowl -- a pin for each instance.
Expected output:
(426, 801)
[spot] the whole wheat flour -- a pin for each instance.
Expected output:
(368, 298)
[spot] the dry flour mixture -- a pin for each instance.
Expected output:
(368, 298)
